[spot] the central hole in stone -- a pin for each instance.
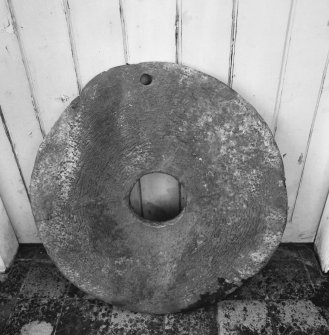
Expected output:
(157, 197)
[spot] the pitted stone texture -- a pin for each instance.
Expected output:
(125, 322)
(297, 317)
(243, 317)
(259, 317)
(188, 125)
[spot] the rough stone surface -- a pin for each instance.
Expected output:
(186, 124)
(297, 317)
(29, 315)
(130, 323)
(83, 317)
(262, 318)
(200, 321)
(43, 280)
(243, 317)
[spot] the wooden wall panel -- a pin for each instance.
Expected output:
(96, 34)
(302, 78)
(206, 36)
(149, 27)
(259, 47)
(8, 240)
(17, 110)
(314, 183)
(46, 46)
(14, 194)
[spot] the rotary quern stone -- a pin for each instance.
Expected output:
(159, 117)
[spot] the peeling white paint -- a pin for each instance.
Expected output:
(64, 98)
(8, 28)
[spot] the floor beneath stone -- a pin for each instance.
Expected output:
(289, 296)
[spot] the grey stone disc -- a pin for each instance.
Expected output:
(177, 121)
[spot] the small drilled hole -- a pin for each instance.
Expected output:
(146, 79)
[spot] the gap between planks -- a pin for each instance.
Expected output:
(124, 31)
(67, 12)
(283, 68)
(234, 30)
(178, 31)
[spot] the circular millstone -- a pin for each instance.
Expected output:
(159, 117)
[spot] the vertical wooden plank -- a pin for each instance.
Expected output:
(322, 238)
(16, 111)
(206, 33)
(150, 29)
(8, 240)
(13, 193)
(260, 41)
(43, 32)
(314, 184)
(302, 79)
(96, 34)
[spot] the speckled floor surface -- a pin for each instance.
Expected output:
(289, 296)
